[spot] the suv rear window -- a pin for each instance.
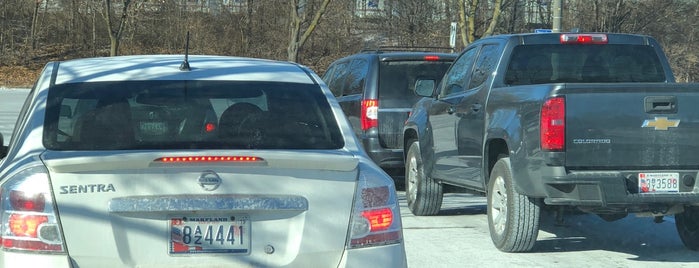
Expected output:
(189, 115)
(397, 80)
(540, 64)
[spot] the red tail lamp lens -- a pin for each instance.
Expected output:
(24, 201)
(370, 114)
(553, 124)
(210, 127)
(379, 219)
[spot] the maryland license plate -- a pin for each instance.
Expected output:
(203, 234)
(658, 182)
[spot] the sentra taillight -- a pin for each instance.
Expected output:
(584, 39)
(24, 201)
(375, 217)
(29, 221)
(370, 113)
(431, 58)
(379, 219)
(218, 158)
(552, 125)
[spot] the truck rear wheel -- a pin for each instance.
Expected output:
(687, 224)
(513, 219)
(423, 194)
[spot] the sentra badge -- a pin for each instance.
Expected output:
(661, 123)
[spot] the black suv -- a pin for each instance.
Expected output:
(375, 90)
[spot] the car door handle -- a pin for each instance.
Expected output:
(476, 107)
(451, 110)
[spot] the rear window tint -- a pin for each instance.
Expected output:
(189, 115)
(538, 64)
(397, 80)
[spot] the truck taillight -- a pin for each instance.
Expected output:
(375, 216)
(27, 214)
(553, 124)
(370, 113)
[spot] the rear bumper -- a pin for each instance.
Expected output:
(18, 259)
(381, 256)
(615, 189)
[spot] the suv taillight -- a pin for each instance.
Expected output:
(27, 214)
(375, 217)
(370, 113)
(553, 124)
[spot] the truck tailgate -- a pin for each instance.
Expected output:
(650, 126)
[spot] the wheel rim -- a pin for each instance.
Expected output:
(412, 178)
(498, 208)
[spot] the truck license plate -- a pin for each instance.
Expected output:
(658, 182)
(210, 234)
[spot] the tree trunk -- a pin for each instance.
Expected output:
(35, 22)
(496, 15)
(296, 41)
(294, 29)
(462, 22)
(115, 35)
(472, 21)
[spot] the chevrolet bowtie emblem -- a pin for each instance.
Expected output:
(661, 123)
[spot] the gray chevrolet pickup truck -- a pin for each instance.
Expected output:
(590, 121)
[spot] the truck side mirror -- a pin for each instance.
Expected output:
(424, 87)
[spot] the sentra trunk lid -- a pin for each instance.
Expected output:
(632, 125)
(150, 209)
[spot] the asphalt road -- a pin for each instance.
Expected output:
(459, 237)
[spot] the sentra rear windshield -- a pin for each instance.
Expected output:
(189, 115)
(540, 64)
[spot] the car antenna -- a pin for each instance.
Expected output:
(185, 64)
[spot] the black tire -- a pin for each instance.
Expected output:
(513, 219)
(687, 224)
(424, 195)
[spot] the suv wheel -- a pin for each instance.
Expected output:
(513, 219)
(687, 224)
(424, 195)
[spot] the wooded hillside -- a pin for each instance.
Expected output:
(33, 32)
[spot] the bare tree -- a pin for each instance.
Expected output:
(35, 23)
(31, 33)
(497, 5)
(299, 10)
(115, 33)
(468, 19)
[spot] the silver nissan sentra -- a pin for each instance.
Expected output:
(198, 161)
